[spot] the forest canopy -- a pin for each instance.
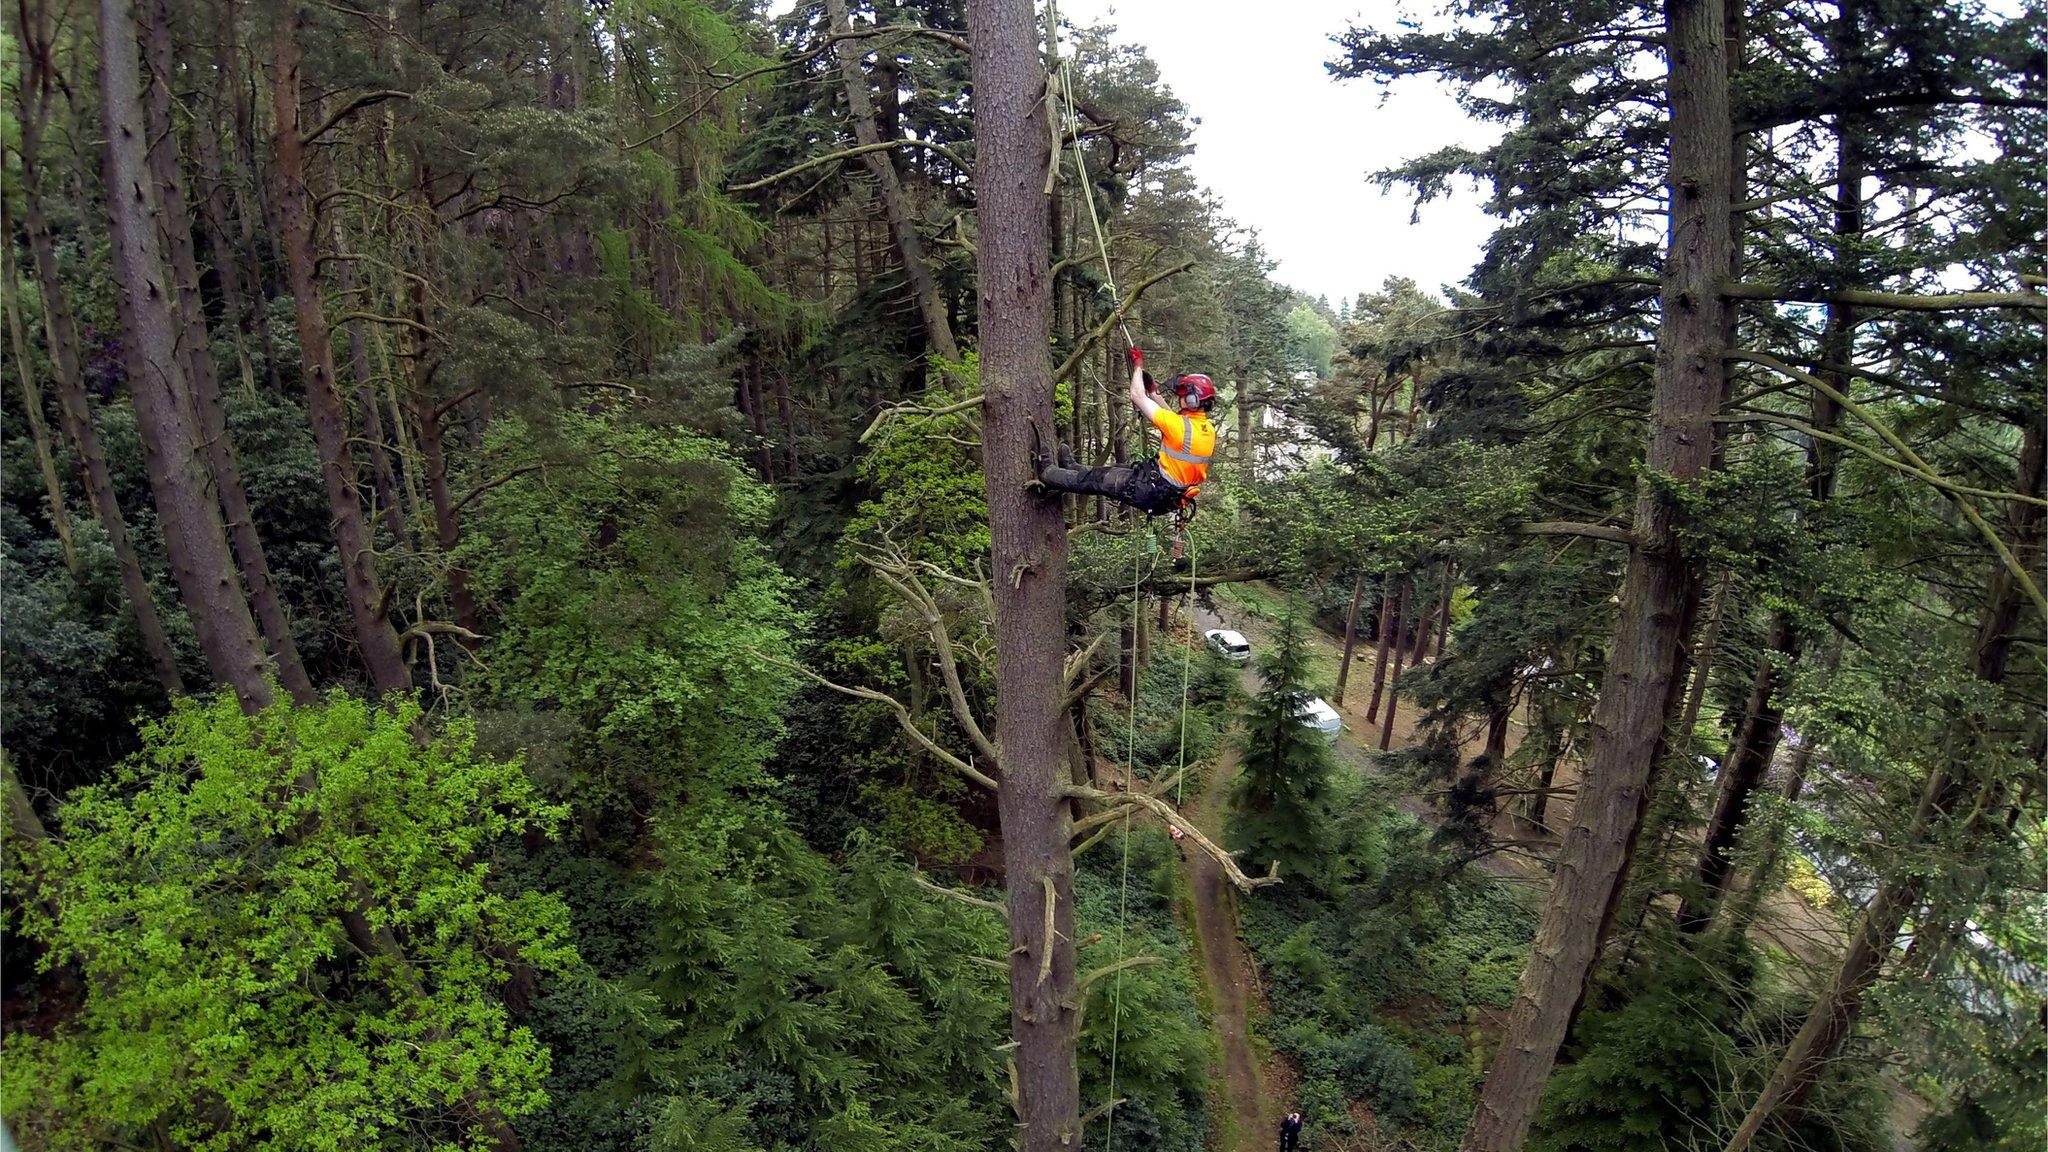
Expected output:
(627, 576)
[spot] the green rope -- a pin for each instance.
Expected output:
(1060, 86)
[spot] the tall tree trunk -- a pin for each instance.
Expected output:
(902, 226)
(383, 477)
(1372, 428)
(236, 292)
(375, 638)
(1423, 629)
(194, 536)
(1029, 550)
(1835, 1014)
(238, 96)
(1388, 625)
(1743, 769)
(1659, 593)
(1443, 610)
(447, 525)
(1553, 751)
(1702, 660)
(195, 350)
(1749, 757)
(1400, 648)
(61, 336)
(785, 411)
(1350, 637)
(1247, 459)
(32, 395)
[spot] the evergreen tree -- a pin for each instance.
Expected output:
(1279, 801)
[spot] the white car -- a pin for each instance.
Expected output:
(1232, 646)
(1316, 714)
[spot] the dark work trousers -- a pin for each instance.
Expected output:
(1141, 486)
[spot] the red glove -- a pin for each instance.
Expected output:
(1137, 358)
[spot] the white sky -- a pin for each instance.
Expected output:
(1289, 149)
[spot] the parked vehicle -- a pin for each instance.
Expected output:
(1232, 646)
(1317, 714)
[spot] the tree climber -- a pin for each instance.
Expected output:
(1168, 483)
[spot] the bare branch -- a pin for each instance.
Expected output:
(850, 153)
(486, 486)
(350, 108)
(1174, 819)
(962, 897)
(1613, 532)
(899, 576)
(1128, 962)
(903, 719)
(885, 414)
(1115, 318)
(1895, 301)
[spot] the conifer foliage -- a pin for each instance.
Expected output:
(1278, 801)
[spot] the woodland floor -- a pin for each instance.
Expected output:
(1811, 936)
(1249, 1111)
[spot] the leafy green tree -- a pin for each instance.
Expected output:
(1311, 340)
(288, 938)
(1278, 803)
(633, 601)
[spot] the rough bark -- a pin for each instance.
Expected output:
(195, 350)
(1350, 638)
(32, 394)
(1660, 591)
(1387, 625)
(910, 251)
(194, 537)
(1835, 1014)
(61, 337)
(1029, 550)
(376, 640)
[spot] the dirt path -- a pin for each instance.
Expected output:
(1228, 972)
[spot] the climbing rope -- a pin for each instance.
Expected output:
(1060, 88)
(1123, 893)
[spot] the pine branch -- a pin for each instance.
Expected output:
(1919, 467)
(1895, 301)
(850, 153)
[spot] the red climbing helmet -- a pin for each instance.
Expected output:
(1194, 390)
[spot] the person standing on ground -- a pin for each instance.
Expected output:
(1290, 1132)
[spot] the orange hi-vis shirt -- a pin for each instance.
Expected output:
(1186, 444)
